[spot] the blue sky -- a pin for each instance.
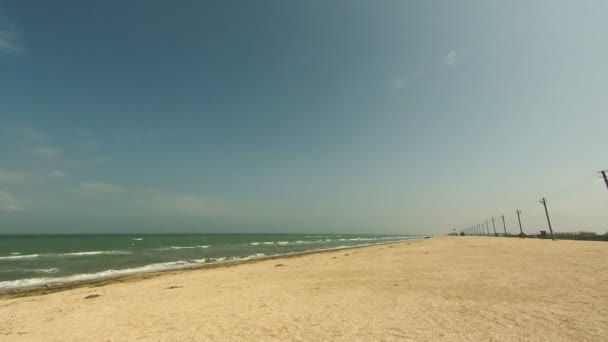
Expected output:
(325, 116)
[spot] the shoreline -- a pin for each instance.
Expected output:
(44, 289)
(438, 289)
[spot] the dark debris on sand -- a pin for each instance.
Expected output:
(92, 296)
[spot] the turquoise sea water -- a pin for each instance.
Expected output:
(31, 260)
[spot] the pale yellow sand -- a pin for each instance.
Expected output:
(441, 289)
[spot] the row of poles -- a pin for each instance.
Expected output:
(483, 229)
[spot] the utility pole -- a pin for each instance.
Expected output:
(504, 225)
(488, 226)
(544, 203)
(603, 172)
(521, 231)
(494, 226)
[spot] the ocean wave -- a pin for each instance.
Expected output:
(137, 239)
(11, 284)
(183, 247)
(255, 243)
(17, 257)
(30, 282)
(282, 243)
(46, 270)
(94, 253)
(35, 270)
(42, 281)
(268, 242)
(15, 253)
(71, 254)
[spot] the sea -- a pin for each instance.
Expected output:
(47, 260)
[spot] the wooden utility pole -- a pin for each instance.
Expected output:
(494, 226)
(544, 203)
(504, 225)
(521, 231)
(488, 227)
(603, 172)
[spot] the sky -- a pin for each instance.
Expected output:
(396, 117)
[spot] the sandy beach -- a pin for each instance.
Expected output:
(439, 289)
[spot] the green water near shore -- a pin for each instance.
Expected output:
(30, 260)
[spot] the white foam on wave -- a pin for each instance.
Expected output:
(36, 270)
(11, 284)
(17, 257)
(94, 253)
(15, 253)
(185, 247)
(46, 270)
(282, 243)
(269, 242)
(138, 239)
(255, 243)
(32, 282)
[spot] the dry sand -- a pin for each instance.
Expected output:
(441, 289)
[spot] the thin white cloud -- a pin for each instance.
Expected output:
(398, 83)
(100, 187)
(8, 202)
(183, 205)
(57, 174)
(10, 42)
(450, 58)
(47, 152)
(22, 133)
(13, 176)
(98, 160)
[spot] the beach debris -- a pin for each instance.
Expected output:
(173, 287)
(278, 265)
(92, 296)
(346, 254)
